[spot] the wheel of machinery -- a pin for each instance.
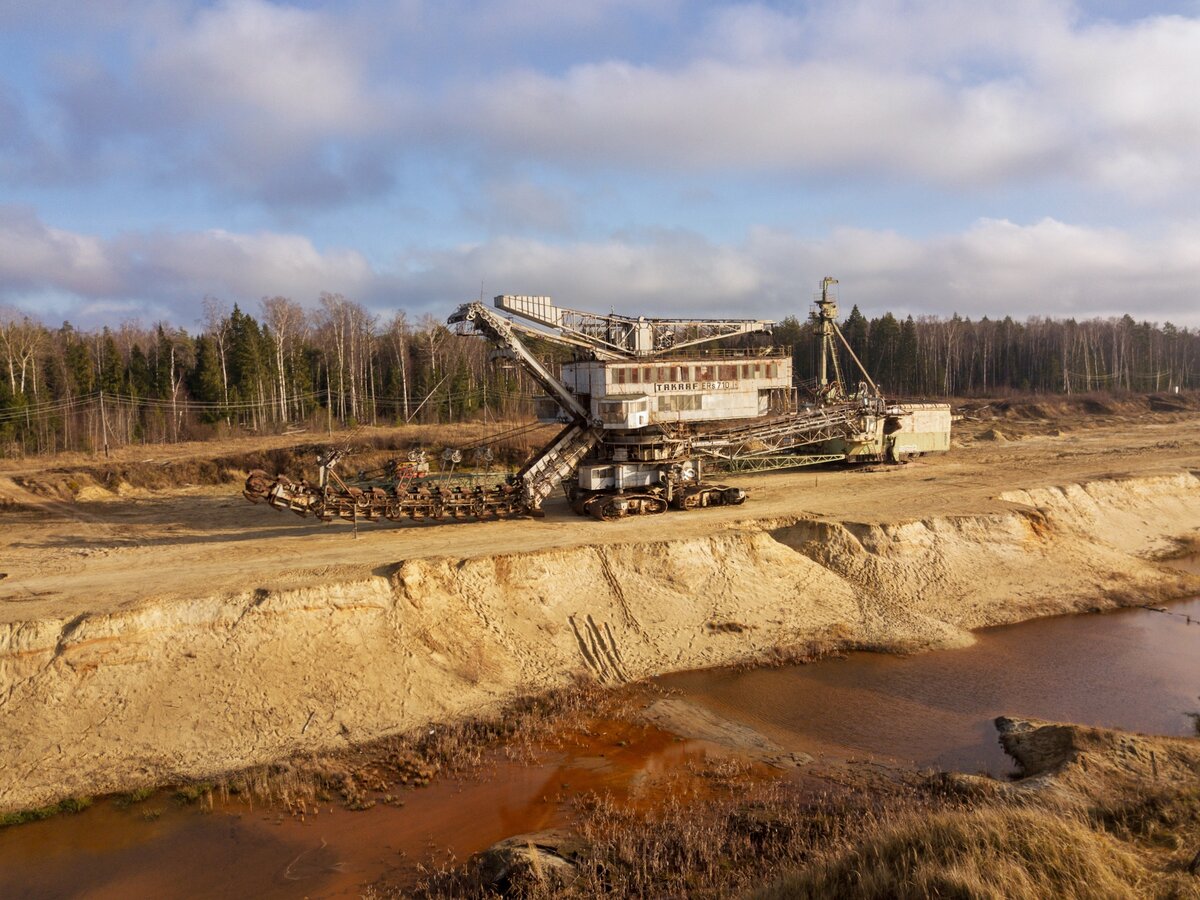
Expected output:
(733, 496)
(258, 485)
(609, 507)
(710, 495)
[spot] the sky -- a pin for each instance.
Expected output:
(656, 157)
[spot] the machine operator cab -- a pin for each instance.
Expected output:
(632, 395)
(639, 372)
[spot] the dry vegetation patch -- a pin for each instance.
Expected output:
(1088, 820)
(1099, 813)
(993, 852)
(379, 771)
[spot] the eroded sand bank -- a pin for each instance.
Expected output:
(182, 688)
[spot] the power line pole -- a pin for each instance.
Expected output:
(104, 424)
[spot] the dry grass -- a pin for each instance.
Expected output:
(709, 829)
(1105, 824)
(1104, 828)
(1165, 817)
(1018, 854)
(380, 770)
(721, 835)
(706, 839)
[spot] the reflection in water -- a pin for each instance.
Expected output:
(1133, 669)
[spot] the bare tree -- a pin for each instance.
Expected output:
(368, 330)
(398, 337)
(21, 340)
(333, 316)
(285, 318)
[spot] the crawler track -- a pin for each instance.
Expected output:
(397, 504)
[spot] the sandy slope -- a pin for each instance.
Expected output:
(182, 634)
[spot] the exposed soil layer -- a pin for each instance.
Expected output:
(184, 633)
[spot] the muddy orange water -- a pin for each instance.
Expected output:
(160, 848)
(1133, 669)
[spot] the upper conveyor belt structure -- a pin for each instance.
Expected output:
(800, 429)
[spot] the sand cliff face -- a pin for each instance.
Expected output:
(106, 702)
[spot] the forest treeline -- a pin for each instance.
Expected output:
(338, 365)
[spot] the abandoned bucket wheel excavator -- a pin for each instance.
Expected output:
(647, 412)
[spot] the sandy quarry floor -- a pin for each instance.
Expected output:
(60, 559)
(152, 631)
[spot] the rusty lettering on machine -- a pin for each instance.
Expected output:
(673, 386)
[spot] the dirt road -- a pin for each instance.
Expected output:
(64, 559)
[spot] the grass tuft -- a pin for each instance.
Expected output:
(190, 793)
(69, 805)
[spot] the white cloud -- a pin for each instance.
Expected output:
(783, 117)
(33, 254)
(1133, 95)
(163, 272)
(256, 99)
(994, 268)
(668, 271)
(1047, 268)
(191, 264)
(522, 19)
(269, 71)
(751, 32)
(1015, 103)
(957, 94)
(950, 38)
(298, 104)
(516, 205)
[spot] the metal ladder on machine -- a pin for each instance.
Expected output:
(556, 463)
(561, 456)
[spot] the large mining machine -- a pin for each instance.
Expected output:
(647, 413)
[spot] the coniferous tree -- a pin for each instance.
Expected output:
(112, 367)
